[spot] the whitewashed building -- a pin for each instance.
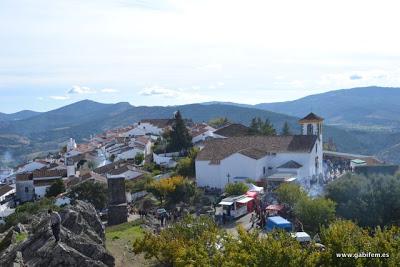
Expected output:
(296, 157)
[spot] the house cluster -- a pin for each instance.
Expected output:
(227, 154)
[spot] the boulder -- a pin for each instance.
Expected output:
(82, 241)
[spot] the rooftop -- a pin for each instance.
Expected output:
(311, 117)
(255, 146)
(231, 130)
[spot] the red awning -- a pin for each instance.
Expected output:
(274, 207)
(251, 194)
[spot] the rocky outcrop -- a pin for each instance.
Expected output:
(82, 241)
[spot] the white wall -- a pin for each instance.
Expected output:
(238, 165)
(130, 154)
(149, 128)
(40, 191)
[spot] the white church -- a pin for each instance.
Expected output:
(267, 158)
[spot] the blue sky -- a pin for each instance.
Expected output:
(168, 52)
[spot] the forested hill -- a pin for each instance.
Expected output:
(48, 130)
(367, 108)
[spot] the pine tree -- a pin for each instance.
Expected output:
(267, 128)
(180, 139)
(258, 127)
(286, 129)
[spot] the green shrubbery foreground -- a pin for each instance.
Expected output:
(199, 242)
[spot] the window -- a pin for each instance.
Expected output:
(309, 129)
(26, 189)
(316, 148)
(264, 170)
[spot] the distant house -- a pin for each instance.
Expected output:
(267, 158)
(155, 126)
(201, 132)
(33, 185)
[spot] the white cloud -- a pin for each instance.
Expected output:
(109, 90)
(59, 97)
(179, 95)
(160, 91)
(76, 89)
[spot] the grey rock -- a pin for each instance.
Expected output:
(82, 241)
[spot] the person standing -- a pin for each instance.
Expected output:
(55, 223)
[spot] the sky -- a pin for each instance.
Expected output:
(171, 52)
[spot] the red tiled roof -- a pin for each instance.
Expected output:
(255, 146)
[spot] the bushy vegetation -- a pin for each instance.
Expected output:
(138, 185)
(173, 190)
(369, 201)
(186, 166)
(23, 213)
(199, 242)
(92, 192)
(218, 122)
(236, 189)
(56, 188)
(312, 212)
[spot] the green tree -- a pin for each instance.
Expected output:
(258, 127)
(371, 201)
(189, 242)
(92, 192)
(23, 213)
(179, 137)
(315, 212)
(91, 165)
(186, 166)
(139, 158)
(218, 122)
(55, 188)
(138, 185)
(290, 194)
(173, 190)
(286, 129)
(235, 189)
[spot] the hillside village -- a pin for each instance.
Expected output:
(220, 155)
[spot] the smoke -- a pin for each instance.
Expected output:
(6, 159)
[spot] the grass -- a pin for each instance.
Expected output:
(119, 240)
(128, 231)
(21, 237)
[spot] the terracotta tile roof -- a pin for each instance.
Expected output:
(255, 146)
(253, 153)
(118, 171)
(311, 117)
(49, 173)
(143, 139)
(5, 189)
(25, 176)
(44, 182)
(234, 129)
(291, 165)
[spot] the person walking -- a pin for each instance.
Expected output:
(253, 219)
(55, 223)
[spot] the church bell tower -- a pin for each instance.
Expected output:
(312, 125)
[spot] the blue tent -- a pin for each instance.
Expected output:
(279, 223)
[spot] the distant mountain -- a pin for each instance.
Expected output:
(367, 108)
(20, 115)
(49, 130)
